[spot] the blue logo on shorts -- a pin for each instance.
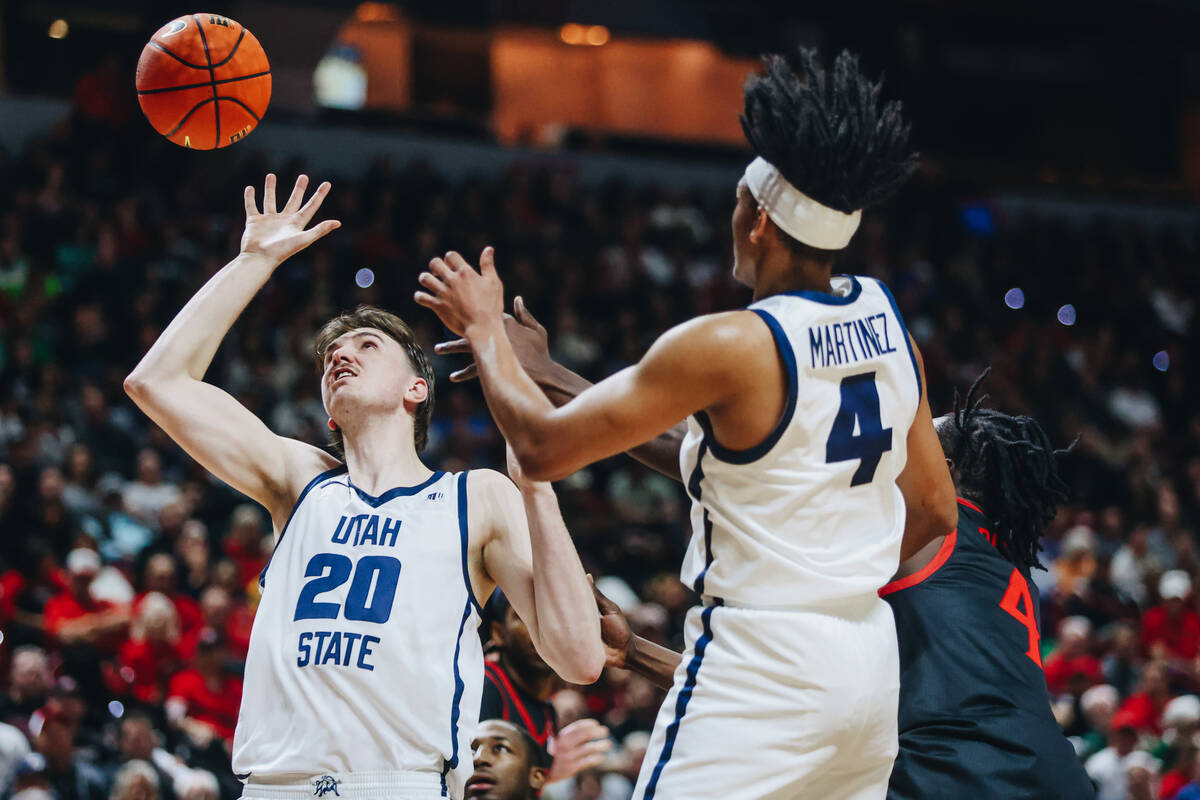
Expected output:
(324, 785)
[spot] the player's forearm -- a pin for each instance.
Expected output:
(567, 627)
(520, 409)
(653, 661)
(187, 346)
(660, 454)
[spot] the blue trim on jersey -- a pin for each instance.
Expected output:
(391, 494)
(464, 538)
(751, 454)
(693, 487)
(903, 330)
(830, 299)
(459, 686)
(339, 469)
(681, 702)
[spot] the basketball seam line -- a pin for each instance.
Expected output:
(212, 77)
(236, 45)
(183, 61)
(203, 83)
(196, 107)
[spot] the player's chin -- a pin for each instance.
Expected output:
(480, 788)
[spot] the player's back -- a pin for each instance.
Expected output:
(364, 658)
(812, 515)
(975, 718)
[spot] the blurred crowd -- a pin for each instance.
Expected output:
(128, 576)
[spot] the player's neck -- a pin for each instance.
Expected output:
(380, 456)
(784, 273)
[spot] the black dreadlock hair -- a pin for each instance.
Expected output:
(1008, 465)
(827, 133)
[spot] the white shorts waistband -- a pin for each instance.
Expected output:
(356, 785)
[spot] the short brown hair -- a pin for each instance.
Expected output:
(393, 326)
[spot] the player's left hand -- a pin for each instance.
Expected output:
(460, 296)
(579, 746)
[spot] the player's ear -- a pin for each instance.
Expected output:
(418, 391)
(537, 778)
(761, 226)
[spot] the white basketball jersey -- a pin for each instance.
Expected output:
(812, 515)
(364, 655)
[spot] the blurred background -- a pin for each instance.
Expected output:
(1051, 233)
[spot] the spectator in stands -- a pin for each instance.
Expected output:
(1171, 630)
(1144, 708)
(1109, 768)
(248, 545)
(1182, 772)
(160, 576)
(28, 685)
(1098, 704)
(72, 778)
(203, 700)
(75, 617)
(136, 780)
(151, 655)
(148, 494)
(138, 741)
(221, 614)
(1121, 666)
(1071, 668)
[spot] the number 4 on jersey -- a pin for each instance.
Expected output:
(859, 410)
(1018, 592)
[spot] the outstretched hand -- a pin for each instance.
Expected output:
(460, 296)
(529, 340)
(278, 235)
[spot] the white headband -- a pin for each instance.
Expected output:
(797, 214)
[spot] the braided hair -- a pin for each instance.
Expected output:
(829, 133)
(1008, 465)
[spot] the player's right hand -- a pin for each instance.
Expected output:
(529, 341)
(277, 235)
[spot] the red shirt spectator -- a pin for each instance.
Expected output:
(232, 619)
(214, 702)
(147, 667)
(1171, 627)
(1071, 659)
(1144, 708)
(74, 615)
(206, 693)
(1061, 670)
(161, 576)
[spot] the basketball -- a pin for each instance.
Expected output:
(203, 81)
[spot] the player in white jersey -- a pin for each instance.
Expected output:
(364, 674)
(810, 457)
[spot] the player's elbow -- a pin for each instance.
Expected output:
(137, 385)
(539, 460)
(585, 667)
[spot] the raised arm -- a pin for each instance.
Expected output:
(925, 482)
(531, 346)
(529, 553)
(701, 364)
(208, 423)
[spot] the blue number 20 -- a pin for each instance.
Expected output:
(382, 571)
(860, 401)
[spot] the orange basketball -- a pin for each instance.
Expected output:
(203, 81)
